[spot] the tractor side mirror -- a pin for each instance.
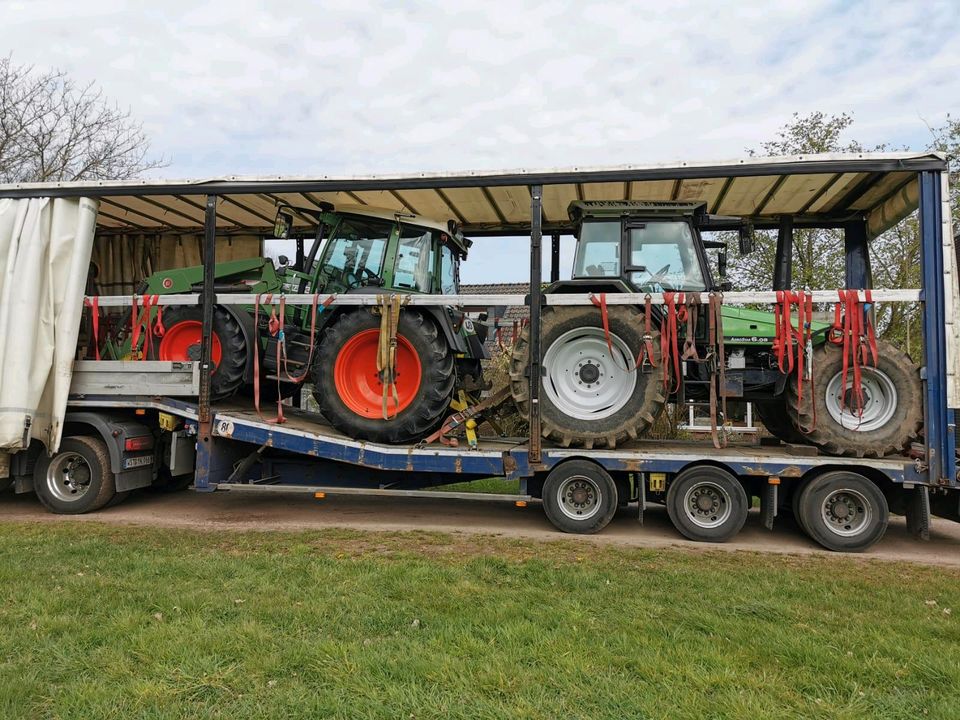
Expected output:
(746, 238)
(282, 224)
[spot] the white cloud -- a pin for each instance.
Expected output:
(229, 87)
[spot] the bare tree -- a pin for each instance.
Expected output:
(53, 129)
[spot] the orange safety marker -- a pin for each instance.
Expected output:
(320, 495)
(520, 503)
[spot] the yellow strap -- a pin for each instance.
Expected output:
(387, 348)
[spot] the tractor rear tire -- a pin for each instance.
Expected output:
(347, 385)
(892, 413)
(181, 341)
(589, 397)
(775, 417)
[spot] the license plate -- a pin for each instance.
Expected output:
(136, 462)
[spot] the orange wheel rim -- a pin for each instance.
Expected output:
(360, 386)
(181, 342)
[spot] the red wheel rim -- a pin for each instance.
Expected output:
(359, 384)
(181, 342)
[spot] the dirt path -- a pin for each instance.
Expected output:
(237, 511)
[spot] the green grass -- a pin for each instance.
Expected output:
(111, 622)
(483, 485)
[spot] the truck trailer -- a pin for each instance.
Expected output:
(82, 433)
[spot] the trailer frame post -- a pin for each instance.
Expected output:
(857, 271)
(783, 261)
(937, 419)
(536, 304)
(207, 299)
(555, 257)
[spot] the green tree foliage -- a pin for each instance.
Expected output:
(818, 260)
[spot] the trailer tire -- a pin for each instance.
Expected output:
(893, 412)
(346, 383)
(611, 405)
(181, 341)
(579, 497)
(843, 511)
(707, 504)
(77, 479)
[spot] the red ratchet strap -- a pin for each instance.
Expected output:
(158, 328)
(94, 305)
(858, 338)
(793, 345)
(315, 303)
(690, 336)
(141, 321)
(256, 358)
(718, 368)
(646, 352)
(669, 342)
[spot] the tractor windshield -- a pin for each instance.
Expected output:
(354, 253)
(663, 256)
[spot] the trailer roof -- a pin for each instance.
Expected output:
(815, 189)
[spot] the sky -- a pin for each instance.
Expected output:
(314, 88)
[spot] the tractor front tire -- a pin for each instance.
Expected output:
(590, 397)
(892, 411)
(183, 331)
(349, 389)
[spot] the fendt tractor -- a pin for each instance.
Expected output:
(353, 250)
(596, 394)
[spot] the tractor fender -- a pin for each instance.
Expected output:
(245, 321)
(442, 318)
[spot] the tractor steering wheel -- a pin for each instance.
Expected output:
(366, 277)
(656, 277)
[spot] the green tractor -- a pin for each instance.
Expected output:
(594, 397)
(353, 250)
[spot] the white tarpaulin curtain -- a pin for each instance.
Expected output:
(45, 247)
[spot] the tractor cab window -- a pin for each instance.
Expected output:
(415, 259)
(448, 271)
(663, 257)
(354, 253)
(598, 249)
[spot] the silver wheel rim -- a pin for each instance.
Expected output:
(707, 504)
(583, 381)
(879, 400)
(846, 512)
(579, 497)
(68, 477)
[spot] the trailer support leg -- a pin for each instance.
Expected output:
(783, 262)
(536, 300)
(207, 300)
(938, 421)
(555, 257)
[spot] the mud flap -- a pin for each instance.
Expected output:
(918, 512)
(768, 504)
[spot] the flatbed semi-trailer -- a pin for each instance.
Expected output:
(128, 425)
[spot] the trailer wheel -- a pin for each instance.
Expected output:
(579, 496)
(707, 504)
(843, 511)
(181, 342)
(77, 479)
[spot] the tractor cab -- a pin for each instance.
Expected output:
(356, 248)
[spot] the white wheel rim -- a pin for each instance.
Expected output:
(707, 505)
(846, 512)
(879, 400)
(579, 497)
(68, 477)
(582, 379)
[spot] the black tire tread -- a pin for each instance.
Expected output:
(836, 440)
(577, 432)
(420, 418)
(92, 448)
(809, 518)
